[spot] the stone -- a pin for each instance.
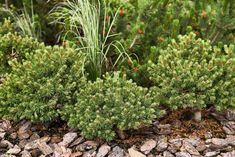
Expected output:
(23, 143)
(148, 146)
(117, 152)
(162, 146)
(182, 154)
(230, 115)
(15, 150)
(34, 144)
(190, 148)
(5, 125)
(176, 142)
(5, 143)
(219, 143)
(134, 153)
(230, 140)
(90, 153)
(61, 151)
(68, 139)
(77, 142)
(167, 154)
(228, 154)
(23, 132)
(13, 135)
(201, 147)
(103, 150)
(77, 154)
(210, 154)
(208, 135)
(2, 135)
(34, 136)
(25, 153)
(192, 141)
(44, 148)
(229, 128)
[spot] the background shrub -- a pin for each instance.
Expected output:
(15, 47)
(109, 104)
(190, 73)
(38, 88)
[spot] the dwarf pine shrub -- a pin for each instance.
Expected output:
(38, 88)
(191, 73)
(15, 47)
(108, 104)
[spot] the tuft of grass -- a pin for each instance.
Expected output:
(92, 32)
(25, 22)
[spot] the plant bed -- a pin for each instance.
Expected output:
(57, 139)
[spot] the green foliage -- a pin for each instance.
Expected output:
(38, 88)
(6, 27)
(15, 47)
(83, 24)
(109, 104)
(191, 73)
(26, 23)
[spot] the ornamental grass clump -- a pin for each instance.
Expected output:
(15, 47)
(110, 104)
(37, 89)
(192, 73)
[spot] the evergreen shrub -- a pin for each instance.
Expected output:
(15, 47)
(109, 104)
(192, 73)
(37, 89)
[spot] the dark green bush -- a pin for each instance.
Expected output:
(15, 47)
(38, 88)
(109, 104)
(191, 73)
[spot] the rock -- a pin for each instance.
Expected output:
(162, 146)
(164, 126)
(34, 144)
(25, 127)
(13, 135)
(55, 139)
(25, 153)
(23, 143)
(44, 148)
(90, 153)
(176, 142)
(192, 141)
(230, 140)
(228, 154)
(68, 138)
(208, 135)
(61, 151)
(23, 132)
(182, 154)
(148, 146)
(219, 143)
(5, 143)
(230, 115)
(88, 145)
(5, 125)
(77, 154)
(103, 150)
(201, 147)
(77, 141)
(134, 153)
(34, 136)
(2, 135)
(35, 152)
(190, 148)
(167, 154)
(229, 127)
(210, 154)
(117, 152)
(15, 150)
